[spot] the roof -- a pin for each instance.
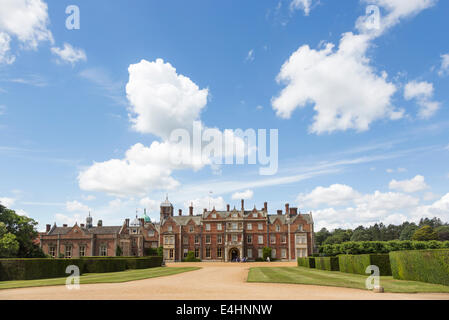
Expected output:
(93, 230)
(184, 220)
(166, 203)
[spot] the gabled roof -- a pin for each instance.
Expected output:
(93, 230)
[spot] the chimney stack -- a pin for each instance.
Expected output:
(293, 211)
(100, 223)
(228, 207)
(205, 210)
(64, 225)
(127, 222)
(82, 225)
(243, 204)
(279, 212)
(265, 206)
(191, 209)
(48, 228)
(287, 209)
(180, 212)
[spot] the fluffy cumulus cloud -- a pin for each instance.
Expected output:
(200, 204)
(161, 99)
(439, 209)
(346, 91)
(422, 92)
(7, 202)
(69, 54)
(416, 184)
(334, 195)
(305, 5)
(246, 195)
(25, 20)
(76, 206)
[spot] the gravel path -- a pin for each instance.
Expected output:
(215, 281)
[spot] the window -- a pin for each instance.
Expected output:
(151, 233)
(103, 250)
(301, 253)
(260, 239)
(250, 253)
(249, 226)
(197, 252)
(185, 240)
(207, 226)
(301, 227)
(68, 251)
(272, 239)
(219, 227)
(208, 252)
(219, 252)
(207, 239)
(234, 238)
(301, 239)
(249, 239)
(278, 228)
(214, 216)
(197, 239)
(185, 252)
(234, 215)
(52, 251)
(171, 254)
(134, 231)
(283, 238)
(191, 229)
(273, 253)
(284, 253)
(170, 228)
(259, 253)
(260, 226)
(255, 215)
(82, 251)
(219, 239)
(234, 226)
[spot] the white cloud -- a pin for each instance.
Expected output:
(439, 209)
(7, 202)
(246, 195)
(416, 184)
(69, 54)
(444, 69)
(149, 204)
(26, 20)
(162, 100)
(346, 91)
(200, 204)
(76, 206)
(422, 92)
(250, 56)
(335, 195)
(70, 220)
(304, 5)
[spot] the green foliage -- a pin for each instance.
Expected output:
(118, 251)
(443, 233)
(9, 246)
(150, 252)
(358, 263)
(266, 253)
(408, 231)
(160, 251)
(306, 262)
(425, 233)
(191, 257)
(321, 236)
(421, 265)
(327, 263)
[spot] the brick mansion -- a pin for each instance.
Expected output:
(212, 236)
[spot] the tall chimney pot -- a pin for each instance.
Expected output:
(127, 222)
(191, 210)
(64, 225)
(287, 209)
(265, 206)
(48, 228)
(243, 204)
(180, 212)
(279, 212)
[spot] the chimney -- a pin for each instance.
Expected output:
(205, 210)
(287, 208)
(228, 207)
(48, 228)
(127, 222)
(191, 209)
(64, 225)
(243, 204)
(265, 206)
(180, 212)
(293, 211)
(279, 212)
(82, 225)
(100, 223)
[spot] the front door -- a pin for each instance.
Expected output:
(234, 254)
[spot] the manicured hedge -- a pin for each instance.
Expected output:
(327, 263)
(306, 262)
(370, 247)
(358, 263)
(28, 269)
(421, 265)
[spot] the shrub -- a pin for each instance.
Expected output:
(358, 263)
(327, 263)
(306, 262)
(421, 265)
(266, 253)
(426, 233)
(191, 257)
(150, 252)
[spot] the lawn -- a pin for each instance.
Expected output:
(301, 275)
(114, 277)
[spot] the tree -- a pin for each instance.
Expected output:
(425, 233)
(266, 253)
(434, 223)
(408, 231)
(361, 234)
(443, 233)
(9, 246)
(24, 229)
(321, 236)
(118, 251)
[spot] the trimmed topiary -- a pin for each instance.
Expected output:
(358, 263)
(327, 263)
(306, 262)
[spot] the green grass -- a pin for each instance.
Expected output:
(301, 275)
(114, 277)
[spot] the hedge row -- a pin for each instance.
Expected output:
(370, 247)
(358, 263)
(306, 262)
(327, 263)
(29, 269)
(422, 265)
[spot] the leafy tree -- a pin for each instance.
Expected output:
(266, 253)
(160, 251)
(24, 229)
(9, 246)
(443, 232)
(408, 231)
(321, 236)
(425, 233)
(361, 234)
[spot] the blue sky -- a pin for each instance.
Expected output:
(363, 125)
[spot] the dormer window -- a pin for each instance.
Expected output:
(234, 215)
(151, 233)
(278, 228)
(255, 215)
(170, 228)
(214, 216)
